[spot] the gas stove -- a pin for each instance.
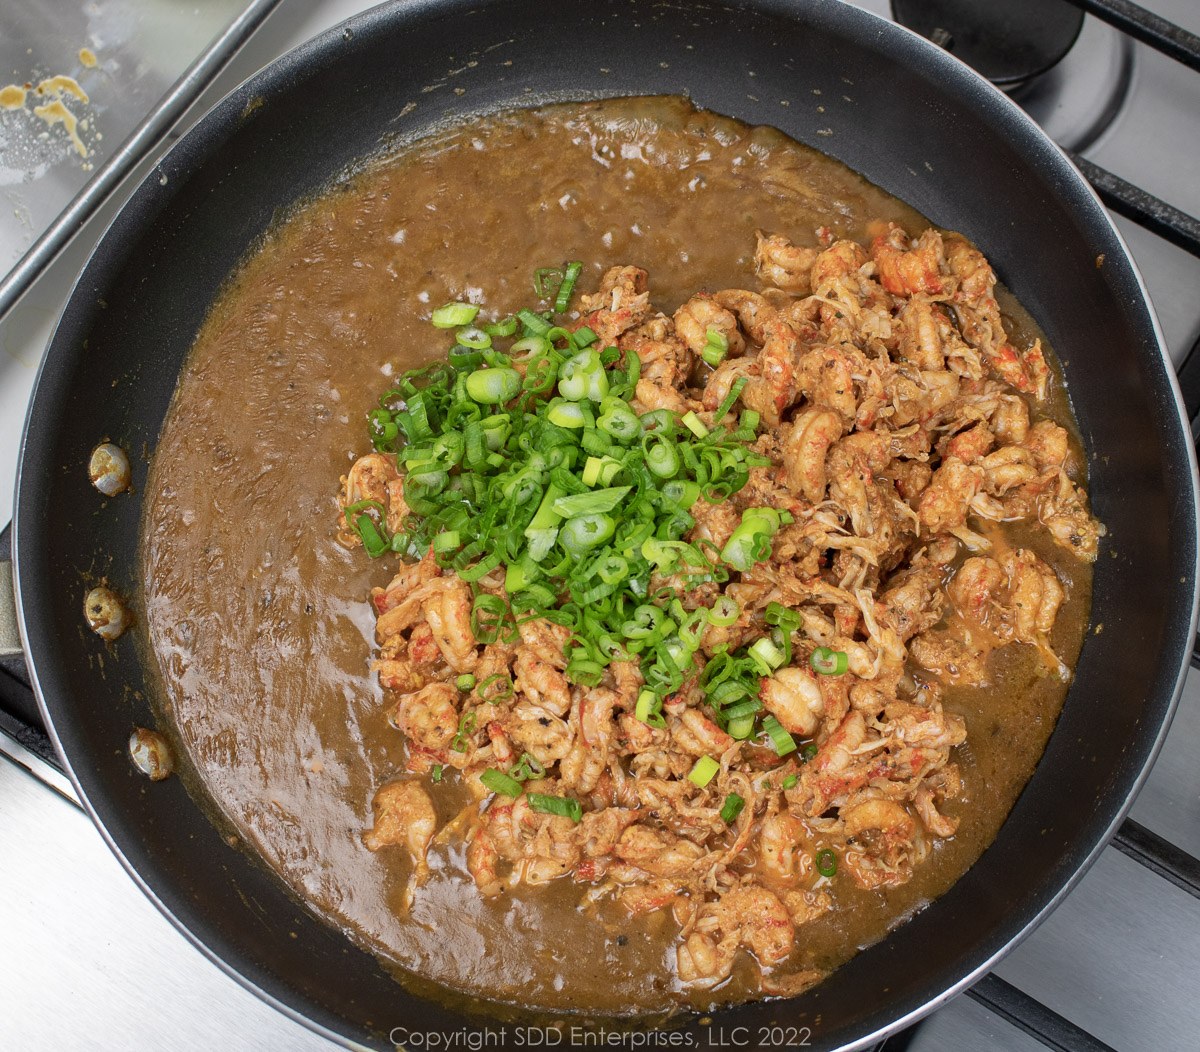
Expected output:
(92, 963)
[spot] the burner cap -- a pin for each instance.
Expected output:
(1008, 41)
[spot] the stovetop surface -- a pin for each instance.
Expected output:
(91, 963)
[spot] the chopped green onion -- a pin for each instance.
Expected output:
(810, 750)
(704, 771)
(530, 349)
(565, 807)
(620, 422)
(525, 768)
(473, 337)
(465, 682)
(829, 662)
(497, 695)
(725, 611)
(742, 708)
(453, 315)
(563, 299)
(593, 503)
(584, 337)
(790, 782)
(750, 541)
(529, 460)
(649, 709)
(566, 414)
(735, 393)
(437, 772)
(732, 808)
(778, 614)
(516, 578)
(740, 727)
(770, 518)
(682, 492)
(582, 376)
(493, 386)
(582, 532)
(768, 653)
(715, 349)
(826, 862)
(535, 323)
(489, 614)
(507, 327)
(591, 471)
(662, 457)
(546, 282)
(374, 544)
(443, 542)
(499, 782)
(784, 743)
(466, 725)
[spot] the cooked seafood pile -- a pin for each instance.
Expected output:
(681, 593)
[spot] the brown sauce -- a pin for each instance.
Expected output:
(258, 618)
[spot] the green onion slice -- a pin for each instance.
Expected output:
(585, 337)
(501, 328)
(499, 782)
(593, 503)
(778, 614)
(784, 743)
(503, 685)
(741, 727)
(535, 323)
(704, 771)
(768, 653)
(563, 300)
(465, 682)
(444, 542)
(373, 542)
(546, 282)
(466, 725)
(473, 337)
(649, 709)
(583, 532)
(829, 662)
(735, 392)
(732, 808)
(694, 424)
(525, 768)
(565, 807)
(493, 386)
(452, 315)
(790, 782)
(725, 611)
(826, 862)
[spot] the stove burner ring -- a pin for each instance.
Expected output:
(1009, 41)
(1071, 74)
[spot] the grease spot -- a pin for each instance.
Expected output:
(56, 113)
(62, 85)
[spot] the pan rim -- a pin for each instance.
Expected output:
(828, 11)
